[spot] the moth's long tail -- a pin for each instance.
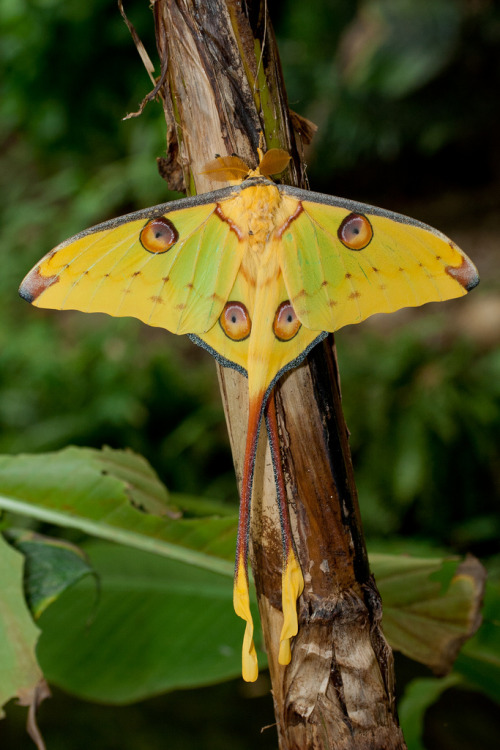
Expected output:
(241, 596)
(292, 581)
(264, 362)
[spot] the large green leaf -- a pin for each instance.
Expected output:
(18, 633)
(159, 624)
(101, 492)
(21, 675)
(431, 605)
(156, 625)
(479, 660)
(419, 695)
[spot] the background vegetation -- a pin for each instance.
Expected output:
(404, 94)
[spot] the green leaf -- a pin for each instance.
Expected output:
(51, 566)
(158, 625)
(431, 605)
(99, 492)
(21, 675)
(418, 696)
(479, 660)
(201, 507)
(161, 625)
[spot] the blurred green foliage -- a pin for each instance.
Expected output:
(404, 82)
(402, 92)
(424, 416)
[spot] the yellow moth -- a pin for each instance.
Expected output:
(257, 273)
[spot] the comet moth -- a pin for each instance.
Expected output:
(257, 273)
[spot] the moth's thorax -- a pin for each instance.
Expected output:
(257, 213)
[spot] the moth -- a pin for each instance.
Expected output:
(257, 273)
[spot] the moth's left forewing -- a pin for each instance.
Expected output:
(176, 274)
(334, 279)
(86, 272)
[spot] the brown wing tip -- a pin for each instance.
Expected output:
(466, 274)
(34, 284)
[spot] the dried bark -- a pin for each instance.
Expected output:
(222, 86)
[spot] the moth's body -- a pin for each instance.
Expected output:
(257, 273)
(259, 283)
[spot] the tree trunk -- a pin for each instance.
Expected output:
(221, 86)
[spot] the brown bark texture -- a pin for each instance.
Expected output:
(221, 85)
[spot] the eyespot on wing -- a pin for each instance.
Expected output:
(286, 323)
(158, 235)
(235, 321)
(355, 232)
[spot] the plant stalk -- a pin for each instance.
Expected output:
(221, 87)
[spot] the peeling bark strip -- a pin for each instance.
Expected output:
(222, 87)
